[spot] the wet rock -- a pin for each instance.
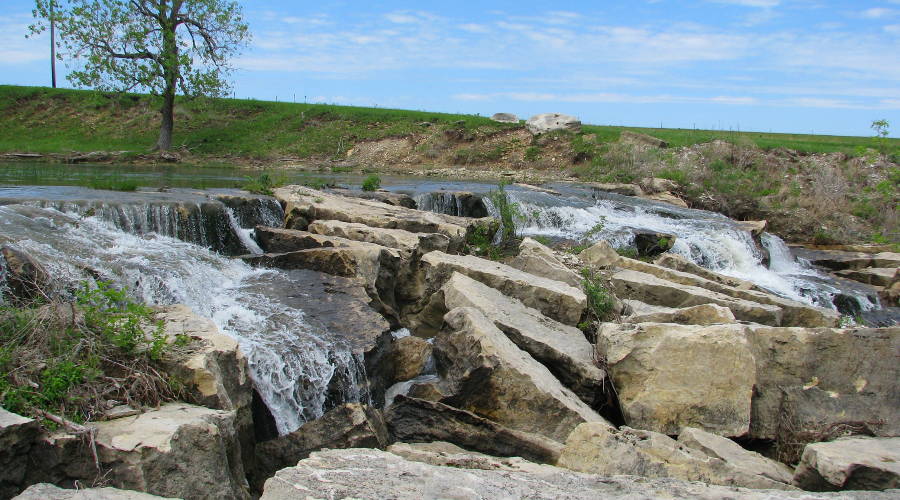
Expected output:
(735, 456)
(877, 276)
(704, 314)
(837, 260)
(850, 464)
(600, 255)
(615, 187)
(607, 451)
(416, 420)
(351, 425)
(17, 435)
(386, 197)
(891, 292)
(410, 243)
(410, 355)
(537, 259)
(651, 244)
(44, 491)
(652, 290)
(458, 203)
(671, 376)
(554, 299)
(25, 276)
(679, 263)
(642, 139)
(178, 450)
(505, 118)
(548, 122)
(371, 474)
(563, 349)
(487, 374)
(754, 227)
(813, 378)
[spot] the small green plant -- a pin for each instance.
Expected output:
(264, 183)
(543, 240)
(600, 300)
(881, 128)
(371, 183)
(509, 212)
(627, 251)
(595, 230)
(481, 243)
(532, 153)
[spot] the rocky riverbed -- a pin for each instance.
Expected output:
(417, 369)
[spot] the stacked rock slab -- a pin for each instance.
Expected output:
(487, 374)
(17, 436)
(857, 463)
(539, 260)
(732, 453)
(44, 491)
(410, 243)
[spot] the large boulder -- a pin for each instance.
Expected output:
(671, 376)
(450, 455)
(679, 263)
(539, 260)
(552, 298)
(877, 276)
(410, 356)
(17, 435)
(890, 295)
(657, 291)
(643, 140)
(487, 374)
(387, 197)
(600, 255)
(304, 205)
(850, 464)
(704, 314)
(811, 379)
(744, 460)
(375, 474)
(44, 491)
(838, 260)
(178, 450)
(352, 425)
(416, 420)
(563, 349)
(410, 243)
(548, 122)
(607, 451)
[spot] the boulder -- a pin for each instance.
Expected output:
(735, 456)
(487, 374)
(416, 420)
(671, 376)
(26, 277)
(44, 491)
(876, 276)
(666, 197)
(642, 139)
(178, 450)
(616, 187)
(850, 464)
(552, 298)
(449, 455)
(365, 473)
(304, 205)
(600, 255)
(754, 227)
(679, 263)
(17, 435)
(838, 260)
(607, 451)
(410, 355)
(539, 260)
(652, 290)
(890, 295)
(704, 314)
(505, 118)
(548, 122)
(812, 379)
(351, 425)
(652, 185)
(387, 197)
(651, 244)
(409, 243)
(563, 349)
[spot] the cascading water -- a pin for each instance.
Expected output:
(441, 202)
(296, 365)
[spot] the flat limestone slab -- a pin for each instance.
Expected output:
(857, 463)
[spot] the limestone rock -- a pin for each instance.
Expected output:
(666, 197)
(410, 355)
(732, 453)
(616, 187)
(563, 349)
(651, 244)
(387, 197)
(679, 263)
(179, 450)
(704, 314)
(490, 376)
(411, 243)
(554, 299)
(877, 276)
(600, 255)
(839, 260)
(608, 451)
(548, 122)
(671, 376)
(642, 139)
(411, 419)
(652, 290)
(754, 227)
(26, 277)
(817, 377)
(850, 464)
(375, 474)
(44, 491)
(17, 435)
(505, 118)
(352, 425)
(653, 185)
(539, 260)
(891, 293)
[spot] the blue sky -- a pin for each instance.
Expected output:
(767, 65)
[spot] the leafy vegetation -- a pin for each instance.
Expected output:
(264, 183)
(600, 300)
(371, 183)
(70, 359)
(509, 211)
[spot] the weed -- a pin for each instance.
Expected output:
(543, 240)
(371, 183)
(532, 153)
(627, 251)
(509, 212)
(600, 300)
(595, 230)
(264, 183)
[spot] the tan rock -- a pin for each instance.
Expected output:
(666, 197)
(449, 455)
(645, 140)
(671, 376)
(679, 263)
(704, 314)
(877, 276)
(858, 463)
(44, 491)
(600, 255)
(410, 355)
(411, 243)
(537, 259)
(732, 453)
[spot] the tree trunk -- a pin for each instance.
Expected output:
(170, 73)
(168, 121)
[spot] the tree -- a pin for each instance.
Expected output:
(160, 46)
(881, 128)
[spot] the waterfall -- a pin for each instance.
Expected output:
(297, 366)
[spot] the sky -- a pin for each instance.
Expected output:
(796, 66)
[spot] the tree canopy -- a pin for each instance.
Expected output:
(163, 47)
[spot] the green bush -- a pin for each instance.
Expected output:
(600, 300)
(509, 211)
(371, 183)
(264, 183)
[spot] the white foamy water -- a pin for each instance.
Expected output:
(293, 362)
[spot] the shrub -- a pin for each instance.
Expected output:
(371, 183)
(264, 183)
(509, 212)
(600, 300)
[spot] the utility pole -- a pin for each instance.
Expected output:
(52, 44)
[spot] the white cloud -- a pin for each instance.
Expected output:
(877, 13)
(751, 3)
(893, 29)
(15, 48)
